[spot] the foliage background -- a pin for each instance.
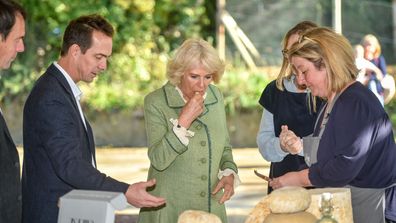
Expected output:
(147, 33)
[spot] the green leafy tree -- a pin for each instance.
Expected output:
(146, 33)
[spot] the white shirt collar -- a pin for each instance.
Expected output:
(76, 91)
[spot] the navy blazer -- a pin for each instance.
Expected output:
(58, 150)
(10, 182)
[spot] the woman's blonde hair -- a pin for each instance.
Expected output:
(285, 71)
(191, 54)
(193, 216)
(327, 49)
(372, 40)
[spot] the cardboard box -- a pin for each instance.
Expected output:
(88, 206)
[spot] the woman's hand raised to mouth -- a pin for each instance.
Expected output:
(192, 109)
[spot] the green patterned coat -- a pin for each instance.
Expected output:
(185, 175)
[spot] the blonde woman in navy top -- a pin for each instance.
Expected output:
(353, 144)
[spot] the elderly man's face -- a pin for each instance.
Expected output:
(13, 44)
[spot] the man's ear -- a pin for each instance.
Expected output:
(74, 50)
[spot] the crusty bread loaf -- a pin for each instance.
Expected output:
(299, 217)
(289, 200)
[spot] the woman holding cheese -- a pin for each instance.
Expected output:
(352, 144)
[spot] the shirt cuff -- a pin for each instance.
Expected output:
(227, 172)
(181, 132)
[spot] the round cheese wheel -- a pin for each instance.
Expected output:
(289, 200)
(260, 211)
(195, 216)
(299, 217)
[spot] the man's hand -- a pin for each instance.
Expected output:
(226, 182)
(137, 195)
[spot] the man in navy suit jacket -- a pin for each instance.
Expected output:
(59, 148)
(12, 31)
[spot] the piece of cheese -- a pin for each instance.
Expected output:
(289, 200)
(260, 211)
(299, 217)
(341, 199)
(195, 216)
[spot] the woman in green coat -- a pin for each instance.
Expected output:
(188, 143)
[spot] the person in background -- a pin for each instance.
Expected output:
(188, 143)
(372, 53)
(365, 67)
(59, 148)
(286, 101)
(12, 32)
(352, 144)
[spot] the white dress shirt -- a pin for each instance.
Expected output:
(77, 96)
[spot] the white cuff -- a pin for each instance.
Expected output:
(227, 172)
(181, 132)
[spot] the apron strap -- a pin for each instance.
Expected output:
(325, 116)
(311, 142)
